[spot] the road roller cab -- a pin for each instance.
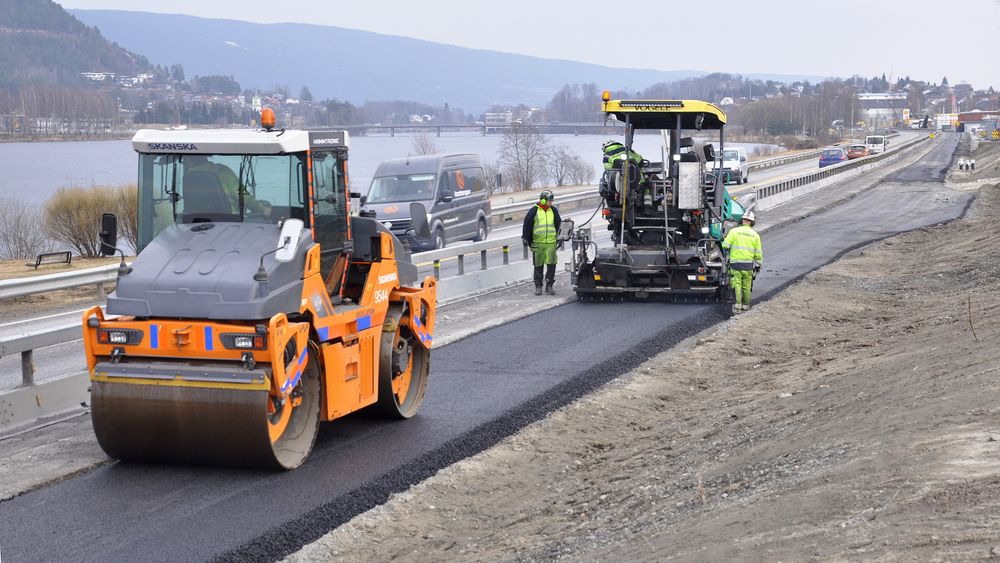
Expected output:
(257, 306)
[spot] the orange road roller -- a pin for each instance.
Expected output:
(257, 305)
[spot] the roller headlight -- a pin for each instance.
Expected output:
(243, 341)
(126, 336)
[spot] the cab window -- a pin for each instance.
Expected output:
(473, 178)
(463, 181)
(193, 188)
(329, 208)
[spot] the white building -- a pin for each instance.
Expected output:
(499, 118)
(882, 109)
(98, 76)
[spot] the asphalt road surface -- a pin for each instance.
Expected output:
(482, 389)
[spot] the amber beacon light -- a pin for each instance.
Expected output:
(267, 118)
(606, 95)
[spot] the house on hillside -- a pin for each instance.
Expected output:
(98, 76)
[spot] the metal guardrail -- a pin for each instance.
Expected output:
(771, 190)
(63, 280)
(780, 160)
(805, 155)
(510, 212)
(526, 205)
(481, 248)
(26, 344)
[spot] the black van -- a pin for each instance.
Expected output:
(452, 188)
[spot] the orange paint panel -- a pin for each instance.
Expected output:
(312, 261)
(388, 250)
(162, 338)
(369, 365)
(310, 208)
(341, 384)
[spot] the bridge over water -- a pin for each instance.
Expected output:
(612, 127)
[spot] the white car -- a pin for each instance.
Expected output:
(876, 143)
(735, 163)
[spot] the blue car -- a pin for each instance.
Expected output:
(832, 156)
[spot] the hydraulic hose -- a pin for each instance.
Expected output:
(594, 214)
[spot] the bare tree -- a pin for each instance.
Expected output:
(423, 144)
(581, 172)
(21, 235)
(565, 167)
(559, 164)
(523, 155)
(491, 170)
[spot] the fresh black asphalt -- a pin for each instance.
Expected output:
(483, 388)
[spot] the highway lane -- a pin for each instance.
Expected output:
(482, 389)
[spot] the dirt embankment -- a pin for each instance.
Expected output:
(854, 416)
(987, 157)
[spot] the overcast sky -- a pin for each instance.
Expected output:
(920, 38)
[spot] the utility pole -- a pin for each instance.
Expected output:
(854, 99)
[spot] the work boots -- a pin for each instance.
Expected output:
(737, 308)
(538, 290)
(549, 290)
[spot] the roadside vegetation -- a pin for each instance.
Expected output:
(528, 159)
(72, 216)
(20, 232)
(69, 220)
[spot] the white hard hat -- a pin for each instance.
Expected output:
(750, 216)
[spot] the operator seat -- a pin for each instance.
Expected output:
(692, 154)
(710, 154)
(203, 195)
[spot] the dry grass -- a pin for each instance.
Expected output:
(12, 269)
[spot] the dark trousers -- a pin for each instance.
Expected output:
(550, 274)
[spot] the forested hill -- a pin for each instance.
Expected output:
(356, 65)
(42, 44)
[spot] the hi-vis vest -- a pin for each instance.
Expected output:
(545, 226)
(743, 244)
(615, 152)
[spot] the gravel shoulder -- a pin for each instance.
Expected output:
(853, 416)
(987, 156)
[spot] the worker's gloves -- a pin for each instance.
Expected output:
(756, 270)
(524, 241)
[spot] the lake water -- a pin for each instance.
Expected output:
(34, 171)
